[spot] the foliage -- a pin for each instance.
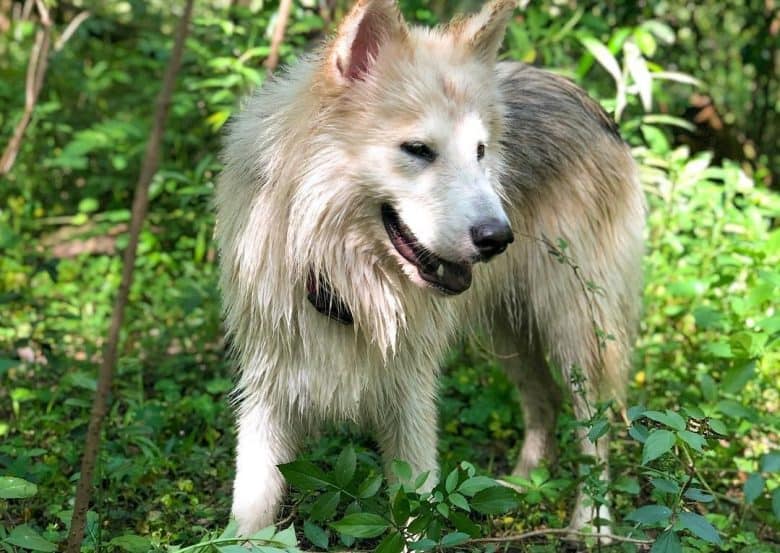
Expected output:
(696, 466)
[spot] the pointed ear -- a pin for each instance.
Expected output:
(484, 32)
(370, 26)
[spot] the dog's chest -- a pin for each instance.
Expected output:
(343, 375)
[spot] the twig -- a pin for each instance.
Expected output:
(70, 29)
(279, 29)
(43, 11)
(695, 470)
(556, 531)
(140, 205)
(36, 71)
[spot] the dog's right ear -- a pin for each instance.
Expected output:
(370, 25)
(484, 31)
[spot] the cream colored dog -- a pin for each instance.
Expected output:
(363, 192)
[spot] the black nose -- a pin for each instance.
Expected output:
(491, 237)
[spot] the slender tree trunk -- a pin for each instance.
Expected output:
(106, 371)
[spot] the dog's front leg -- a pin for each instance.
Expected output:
(265, 440)
(406, 429)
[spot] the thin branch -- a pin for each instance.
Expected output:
(70, 29)
(107, 366)
(36, 70)
(43, 11)
(557, 532)
(279, 29)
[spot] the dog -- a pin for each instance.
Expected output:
(394, 191)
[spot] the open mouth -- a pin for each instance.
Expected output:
(446, 276)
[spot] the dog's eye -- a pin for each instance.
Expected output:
(480, 151)
(420, 150)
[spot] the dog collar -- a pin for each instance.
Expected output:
(324, 300)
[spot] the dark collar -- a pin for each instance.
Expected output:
(324, 300)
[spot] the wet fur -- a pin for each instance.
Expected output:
(300, 194)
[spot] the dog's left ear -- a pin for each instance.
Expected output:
(484, 32)
(370, 26)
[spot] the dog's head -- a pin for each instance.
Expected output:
(416, 115)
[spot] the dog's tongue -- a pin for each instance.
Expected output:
(451, 278)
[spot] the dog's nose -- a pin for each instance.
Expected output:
(491, 237)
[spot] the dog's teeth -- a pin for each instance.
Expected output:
(440, 270)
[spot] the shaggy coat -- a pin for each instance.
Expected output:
(311, 163)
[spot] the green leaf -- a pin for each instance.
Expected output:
(6, 364)
(665, 486)
(287, 536)
(776, 502)
(667, 542)
(748, 345)
(639, 432)
(345, 466)
(469, 468)
(425, 544)
(719, 349)
(305, 476)
(132, 543)
(650, 514)
(736, 379)
(598, 430)
(16, 488)
(88, 205)
(661, 30)
(370, 486)
(539, 476)
(645, 41)
(401, 508)
(637, 68)
(699, 526)
(604, 57)
(452, 481)
(657, 443)
(265, 534)
(361, 525)
(718, 427)
(459, 501)
(669, 418)
(735, 410)
(753, 487)
(769, 462)
(315, 534)
(402, 470)
(476, 484)
(696, 441)
(464, 524)
(454, 538)
(230, 531)
(325, 506)
(635, 411)
(627, 484)
(421, 479)
(494, 501)
(27, 538)
(392, 543)
(696, 494)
